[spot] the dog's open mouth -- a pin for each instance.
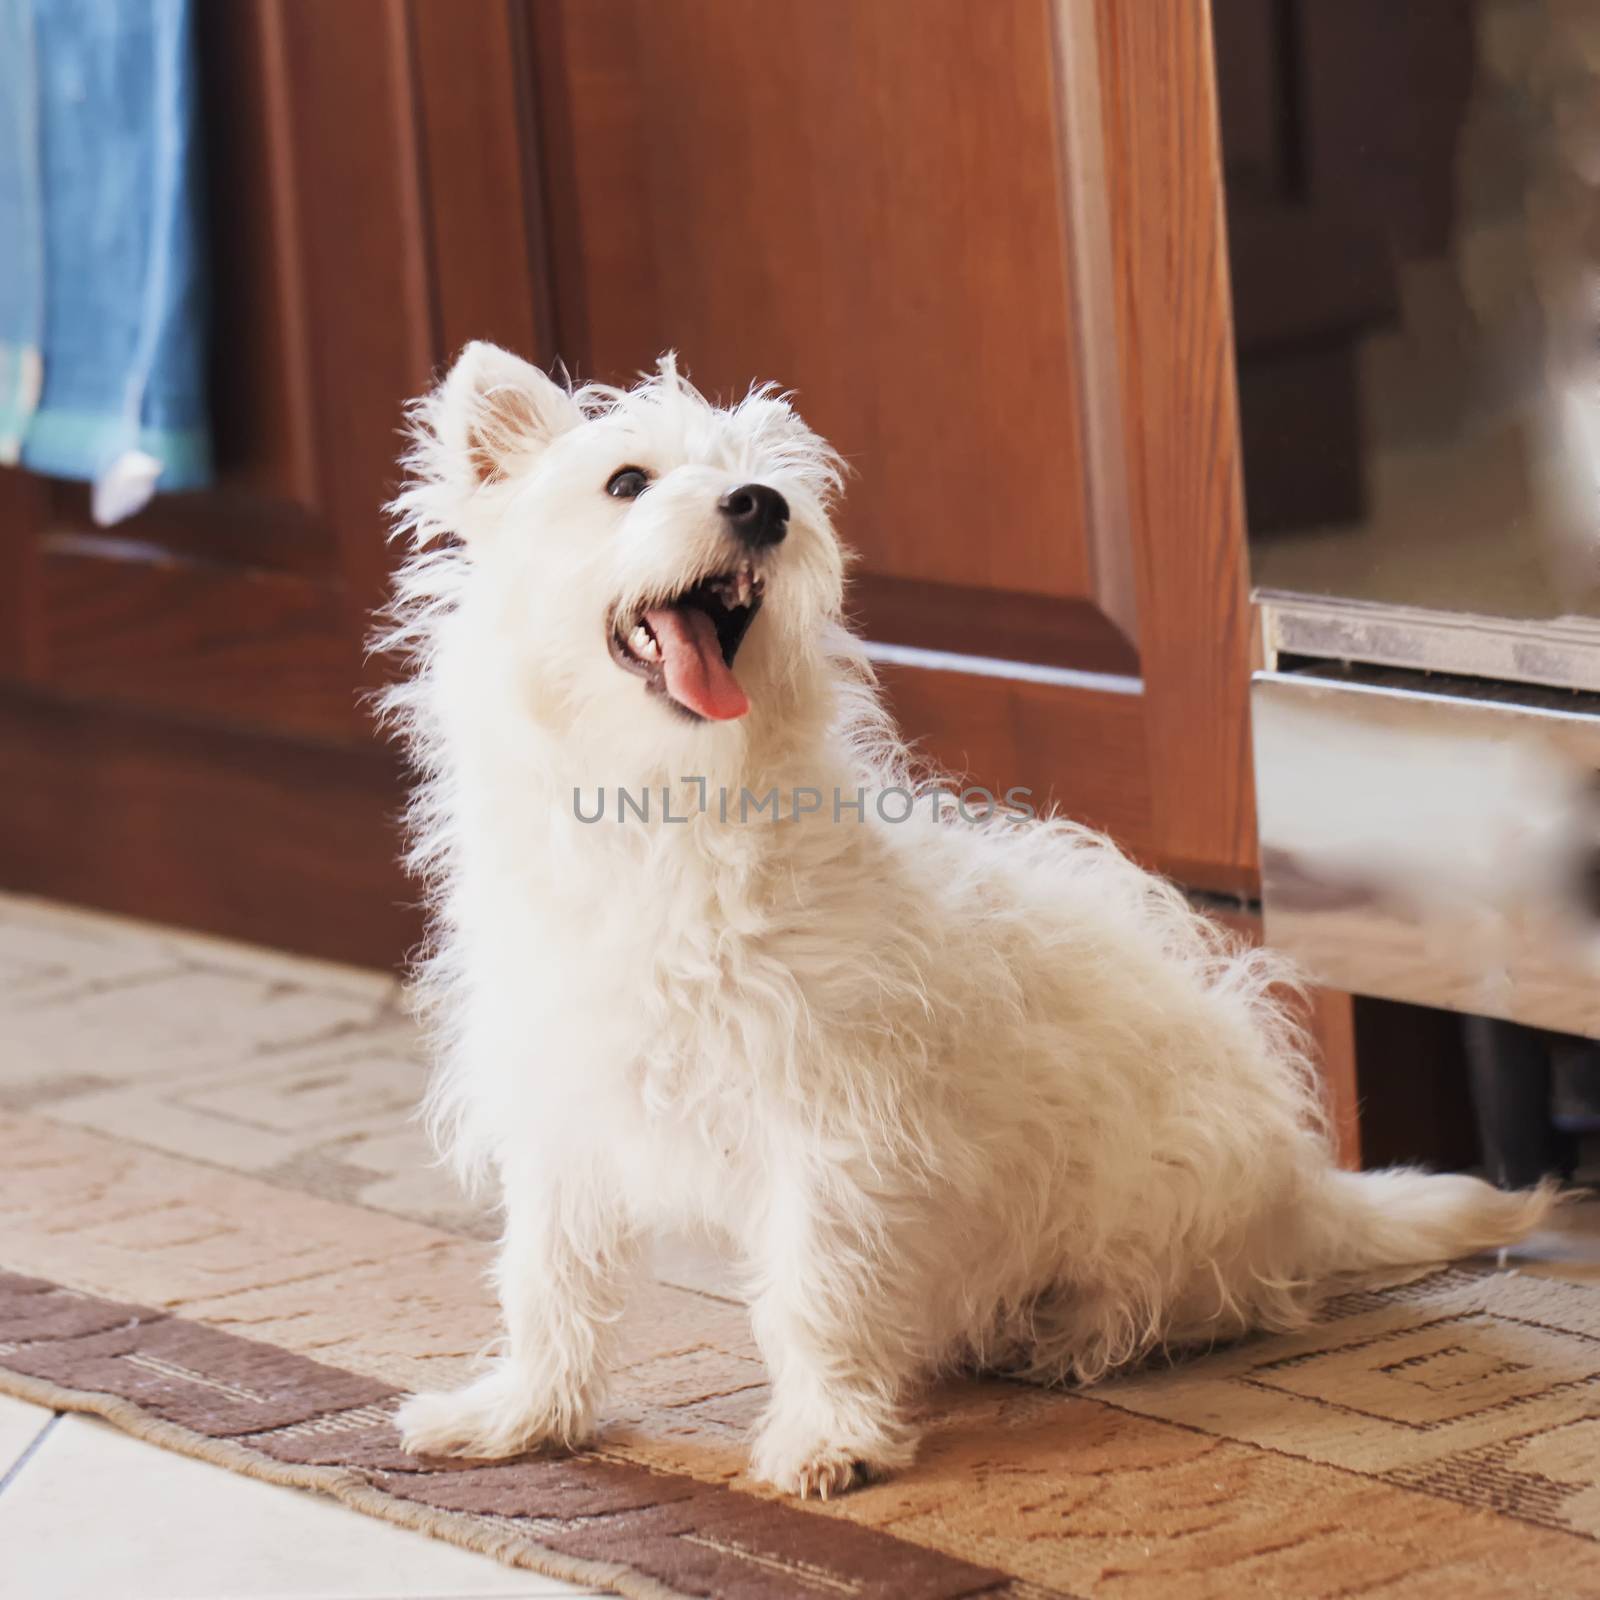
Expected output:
(684, 647)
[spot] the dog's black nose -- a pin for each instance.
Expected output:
(759, 516)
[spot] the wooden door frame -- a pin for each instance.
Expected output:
(1180, 478)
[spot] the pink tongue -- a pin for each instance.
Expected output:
(697, 676)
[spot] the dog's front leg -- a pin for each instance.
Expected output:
(563, 1261)
(826, 1323)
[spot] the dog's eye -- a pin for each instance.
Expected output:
(627, 483)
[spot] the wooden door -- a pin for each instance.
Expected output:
(181, 726)
(982, 239)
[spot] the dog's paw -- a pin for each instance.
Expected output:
(824, 1467)
(828, 1472)
(500, 1414)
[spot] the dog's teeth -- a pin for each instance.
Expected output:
(643, 643)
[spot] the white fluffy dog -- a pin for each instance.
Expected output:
(955, 1091)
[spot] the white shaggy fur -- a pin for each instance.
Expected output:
(955, 1092)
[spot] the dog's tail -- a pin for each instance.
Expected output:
(1403, 1217)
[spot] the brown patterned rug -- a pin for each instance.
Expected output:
(218, 1228)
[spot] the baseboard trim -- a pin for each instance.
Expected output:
(279, 841)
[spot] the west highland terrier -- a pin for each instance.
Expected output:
(956, 1090)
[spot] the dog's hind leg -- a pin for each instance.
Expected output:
(564, 1259)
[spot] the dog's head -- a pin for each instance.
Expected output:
(649, 555)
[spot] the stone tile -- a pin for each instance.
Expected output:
(161, 1526)
(20, 1425)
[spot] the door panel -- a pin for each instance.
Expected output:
(865, 197)
(983, 243)
(323, 324)
(181, 695)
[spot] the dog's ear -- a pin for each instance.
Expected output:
(497, 411)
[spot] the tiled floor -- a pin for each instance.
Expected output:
(89, 1513)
